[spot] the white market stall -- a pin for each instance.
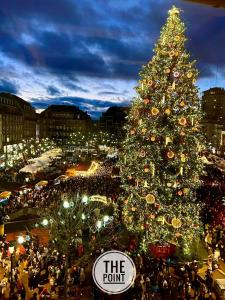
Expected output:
(43, 162)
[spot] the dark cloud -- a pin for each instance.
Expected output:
(93, 106)
(102, 39)
(8, 86)
(53, 91)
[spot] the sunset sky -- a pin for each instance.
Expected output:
(88, 53)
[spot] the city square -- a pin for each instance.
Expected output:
(112, 150)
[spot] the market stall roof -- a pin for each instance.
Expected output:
(5, 195)
(42, 162)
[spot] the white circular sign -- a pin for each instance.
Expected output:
(114, 272)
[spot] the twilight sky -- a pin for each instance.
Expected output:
(88, 53)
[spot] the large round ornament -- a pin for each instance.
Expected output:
(167, 111)
(154, 111)
(189, 75)
(176, 223)
(150, 198)
(170, 154)
(182, 121)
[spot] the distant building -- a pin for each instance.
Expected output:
(59, 121)
(113, 119)
(17, 120)
(213, 105)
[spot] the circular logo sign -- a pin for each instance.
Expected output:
(114, 272)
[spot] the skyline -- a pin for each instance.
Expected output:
(89, 54)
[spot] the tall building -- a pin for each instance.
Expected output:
(213, 105)
(59, 121)
(17, 120)
(113, 119)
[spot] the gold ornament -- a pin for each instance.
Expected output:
(176, 53)
(189, 75)
(182, 121)
(154, 111)
(168, 140)
(167, 111)
(170, 154)
(150, 83)
(182, 104)
(167, 71)
(152, 216)
(143, 130)
(172, 54)
(133, 208)
(152, 138)
(150, 198)
(132, 131)
(177, 38)
(176, 223)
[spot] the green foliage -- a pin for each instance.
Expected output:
(160, 165)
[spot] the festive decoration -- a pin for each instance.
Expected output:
(182, 121)
(168, 174)
(154, 111)
(170, 154)
(150, 198)
(176, 223)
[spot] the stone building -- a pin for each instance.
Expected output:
(213, 105)
(59, 121)
(17, 120)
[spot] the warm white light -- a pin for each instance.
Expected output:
(85, 199)
(99, 224)
(45, 222)
(83, 217)
(20, 239)
(66, 204)
(11, 249)
(106, 219)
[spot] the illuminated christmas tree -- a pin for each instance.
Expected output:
(160, 165)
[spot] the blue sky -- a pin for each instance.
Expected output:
(88, 53)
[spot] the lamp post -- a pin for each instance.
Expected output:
(6, 151)
(11, 251)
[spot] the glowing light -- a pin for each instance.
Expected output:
(66, 204)
(99, 224)
(45, 222)
(106, 219)
(20, 239)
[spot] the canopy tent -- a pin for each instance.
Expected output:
(40, 163)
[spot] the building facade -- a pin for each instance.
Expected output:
(17, 120)
(58, 122)
(213, 105)
(113, 119)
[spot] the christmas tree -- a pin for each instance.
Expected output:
(160, 165)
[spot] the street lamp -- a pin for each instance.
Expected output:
(66, 204)
(6, 151)
(20, 239)
(11, 251)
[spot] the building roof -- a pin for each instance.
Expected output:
(215, 3)
(65, 109)
(215, 90)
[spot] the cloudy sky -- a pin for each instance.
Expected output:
(89, 52)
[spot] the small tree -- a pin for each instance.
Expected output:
(68, 221)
